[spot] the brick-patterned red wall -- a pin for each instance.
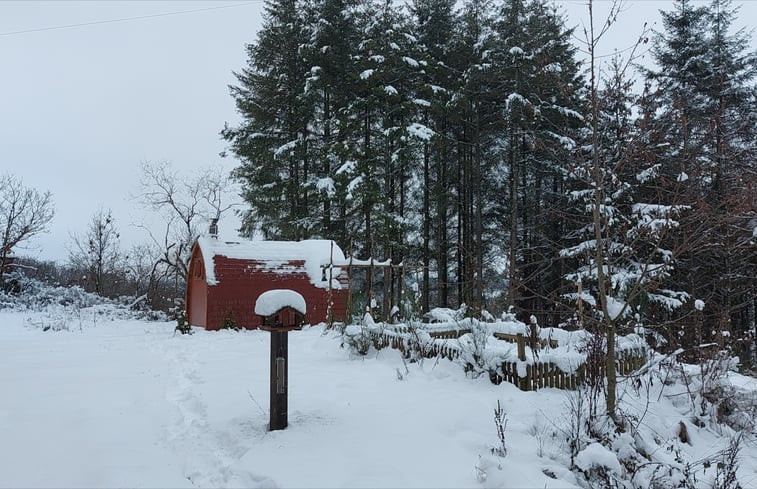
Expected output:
(240, 282)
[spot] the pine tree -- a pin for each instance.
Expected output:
(541, 114)
(680, 53)
(434, 23)
(385, 113)
(474, 111)
(273, 140)
(706, 92)
(729, 153)
(330, 54)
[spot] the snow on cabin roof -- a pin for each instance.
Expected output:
(272, 301)
(313, 252)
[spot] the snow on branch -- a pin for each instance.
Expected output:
(420, 131)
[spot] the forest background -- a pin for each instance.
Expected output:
(472, 145)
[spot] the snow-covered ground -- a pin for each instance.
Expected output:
(130, 404)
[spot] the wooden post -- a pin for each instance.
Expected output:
(279, 380)
(330, 305)
(541, 372)
(388, 278)
(349, 288)
(402, 288)
(521, 347)
(370, 284)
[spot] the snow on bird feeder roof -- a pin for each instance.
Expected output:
(272, 301)
(315, 253)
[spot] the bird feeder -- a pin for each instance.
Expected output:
(281, 311)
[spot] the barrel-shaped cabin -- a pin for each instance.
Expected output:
(226, 279)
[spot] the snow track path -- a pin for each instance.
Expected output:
(209, 455)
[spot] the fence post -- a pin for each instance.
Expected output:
(521, 346)
(523, 382)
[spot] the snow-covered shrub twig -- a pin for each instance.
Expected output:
(500, 422)
(728, 465)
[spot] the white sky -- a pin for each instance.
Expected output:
(81, 108)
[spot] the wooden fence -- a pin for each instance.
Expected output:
(403, 341)
(521, 340)
(546, 374)
(538, 375)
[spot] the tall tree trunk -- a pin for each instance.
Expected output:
(479, 228)
(326, 166)
(443, 213)
(608, 322)
(426, 226)
(513, 262)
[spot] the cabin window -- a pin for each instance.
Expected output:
(197, 268)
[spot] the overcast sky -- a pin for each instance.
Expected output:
(82, 107)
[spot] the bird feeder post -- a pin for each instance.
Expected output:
(280, 311)
(279, 380)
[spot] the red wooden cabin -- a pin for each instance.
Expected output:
(226, 278)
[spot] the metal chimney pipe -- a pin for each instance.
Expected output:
(213, 230)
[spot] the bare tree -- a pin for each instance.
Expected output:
(185, 205)
(24, 213)
(141, 265)
(97, 251)
(627, 212)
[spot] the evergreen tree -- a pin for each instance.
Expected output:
(434, 21)
(331, 83)
(539, 85)
(729, 153)
(706, 93)
(474, 113)
(680, 54)
(273, 140)
(384, 111)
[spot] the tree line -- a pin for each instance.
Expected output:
(180, 207)
(472, 143)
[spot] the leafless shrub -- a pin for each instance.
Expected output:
(500, 422)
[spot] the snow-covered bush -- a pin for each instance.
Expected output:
(446, 315)
(229, 322)
(472, 348)
(182, 324)
(32, 294)
(418, 342)
(66, 308)
(359, 337)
